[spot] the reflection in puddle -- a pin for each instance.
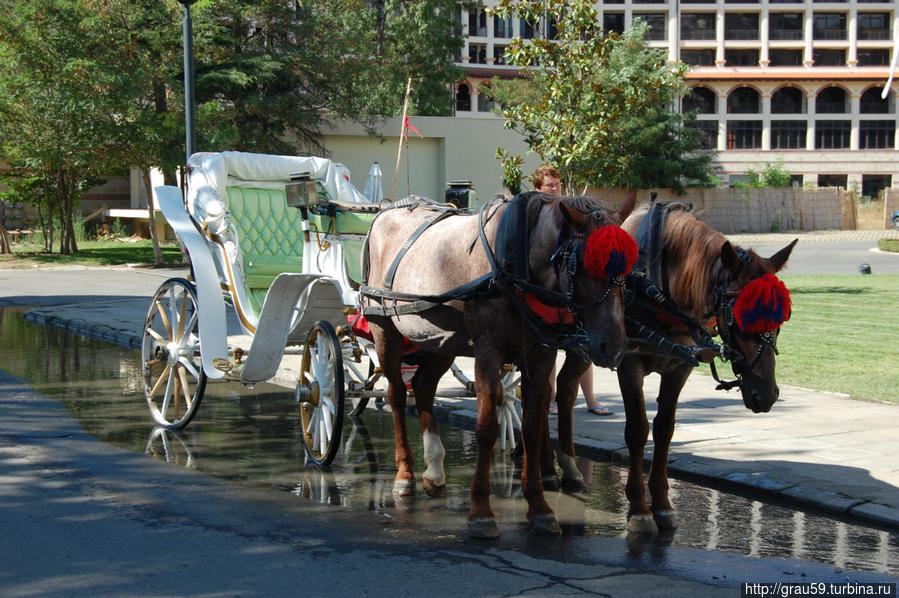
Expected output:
(252, 436)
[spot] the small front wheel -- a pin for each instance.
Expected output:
(320, 394)
(173, 376)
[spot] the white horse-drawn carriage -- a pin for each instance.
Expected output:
(279, 239)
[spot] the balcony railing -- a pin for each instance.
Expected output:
(873, 34)
(785, 34)
(741, 34)
(830, 34)
(697, 34)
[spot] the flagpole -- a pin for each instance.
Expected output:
(399, 151)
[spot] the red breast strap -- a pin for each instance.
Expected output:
(547, 313)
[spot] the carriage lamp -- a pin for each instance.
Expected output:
(301, 191)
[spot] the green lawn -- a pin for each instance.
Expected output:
(843, 335)
(92, 253)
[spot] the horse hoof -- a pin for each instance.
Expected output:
(545, 525)
(433, 489)
(641, 524)
(666, 520)
(485, 529)
(404, 487)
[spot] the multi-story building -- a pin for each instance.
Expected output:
(797, 80)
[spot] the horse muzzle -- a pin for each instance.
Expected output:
(759, 401)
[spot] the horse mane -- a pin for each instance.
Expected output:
(692, 252)
(581, 203)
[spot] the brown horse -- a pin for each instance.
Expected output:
(709, 281)
(495, 324)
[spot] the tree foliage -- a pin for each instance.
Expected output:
(93, 86)
(595, 104)
(769, 174)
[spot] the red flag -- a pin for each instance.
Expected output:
(406, 125)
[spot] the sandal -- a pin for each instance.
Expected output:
(600, 410)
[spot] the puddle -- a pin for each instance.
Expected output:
(252, 436)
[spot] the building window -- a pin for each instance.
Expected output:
(697, 25)
(499, 53)
(477, 22)
(832, 180)
(702, 100)
(657, 22)
(873, 184)
(832, 100)
(741, 25)
(485, 104)
(872, 103)
(744, 134)
(613, 21)
(873, 25)
(622, 1)
(743, 100)
(741, 57)
(708, 133)
(698, 2)
(477, 53)
(829, 57)
(873, 57)
(829, 26)
(788, 100)
(527, 29)
(698, 57)
(788, 134)
(785, 25)
(832, 134)
(502, 28)
(785, 57)
(463, 98)
(877, 134)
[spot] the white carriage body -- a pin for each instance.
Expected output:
(248, 248)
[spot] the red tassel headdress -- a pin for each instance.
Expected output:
(763, 305)
(610, 252)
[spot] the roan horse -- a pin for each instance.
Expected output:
(439, 286)
(713, 286)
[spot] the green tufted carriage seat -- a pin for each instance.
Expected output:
(270, 237)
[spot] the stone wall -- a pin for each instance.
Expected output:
(734, 211)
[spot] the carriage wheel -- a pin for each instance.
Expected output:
(320, 393)
(174, 380)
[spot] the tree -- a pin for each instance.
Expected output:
(594, 104)
(773, 174)
(58, 100)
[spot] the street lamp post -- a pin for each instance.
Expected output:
(189, 102)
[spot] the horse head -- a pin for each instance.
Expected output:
(589, 266)
(753, 304)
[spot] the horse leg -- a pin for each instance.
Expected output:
(424, 383)
(535, 393)
(389, 344)
(662, 430)
(566, 391)
(636, 431)
(487, 370)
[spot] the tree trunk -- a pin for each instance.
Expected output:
(151, 218)
(4, 238)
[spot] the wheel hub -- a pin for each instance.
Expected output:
(309, 393)
(171, 350)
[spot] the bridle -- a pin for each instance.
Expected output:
(726, 294)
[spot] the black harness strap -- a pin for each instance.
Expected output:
(430, 220)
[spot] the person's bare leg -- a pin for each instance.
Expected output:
(587, 388)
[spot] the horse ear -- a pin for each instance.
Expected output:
(627, 207)
(575, 218)
(780, 258)
(729, 258)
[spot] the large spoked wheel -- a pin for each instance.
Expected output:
(509, 412)
(320, 393)
(174, 381)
